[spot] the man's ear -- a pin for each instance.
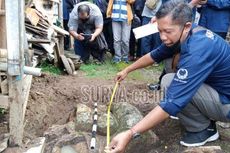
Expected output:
(187, 26)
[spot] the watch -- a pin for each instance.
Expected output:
(135, 134)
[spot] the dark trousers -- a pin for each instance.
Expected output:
(66, 38)
(134, 48)
(150, 42)
(108, 33)
(86, 48)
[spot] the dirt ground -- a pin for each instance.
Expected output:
(53, 100)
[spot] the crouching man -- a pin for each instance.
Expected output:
(86, 25)
(199, 92)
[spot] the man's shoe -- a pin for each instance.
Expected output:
(194, 139)
(126, 60)
(116, 60)
(153, 86)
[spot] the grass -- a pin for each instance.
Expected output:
(50, 68)
(108, 70)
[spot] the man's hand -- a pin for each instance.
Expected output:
(80, 37)
(202, 2)
(195, 3)
(92, 38)
(153, 19)
(121, 75)
(120, 141)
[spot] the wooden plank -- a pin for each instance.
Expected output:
(61, 39)
(2, 4)
(38, 146)
(2, 12)
(4, 87)
(2, 31)
(3, 53)
(27, 80)
(32, 16)
(39, 41)
(60, 30)
(4, 101)
(16, 111)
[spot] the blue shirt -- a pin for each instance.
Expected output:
(204, 58)
(215, 15)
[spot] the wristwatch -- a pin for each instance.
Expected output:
(135, 135)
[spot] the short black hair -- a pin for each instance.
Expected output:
(180, 11)
(83, 9)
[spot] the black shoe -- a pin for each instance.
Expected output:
(194, 139)
(153, 86)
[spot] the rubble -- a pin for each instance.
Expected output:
(44, 37)
(204, 149)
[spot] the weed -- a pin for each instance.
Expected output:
(47, 67)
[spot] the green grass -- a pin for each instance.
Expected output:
(50, 68)
(108, 70)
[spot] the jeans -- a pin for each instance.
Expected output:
(121, 35)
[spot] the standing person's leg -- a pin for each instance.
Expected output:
(132, 46)
(126, 28)
(146, 42)
(66, 38)
(138, 52)
(199, 115)
(116, 26)
(108, 33)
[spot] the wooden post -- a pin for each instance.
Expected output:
(61, 38)
(15, 48)
(2, 25)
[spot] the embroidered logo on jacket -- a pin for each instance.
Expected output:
(209, 34)
(182, 74)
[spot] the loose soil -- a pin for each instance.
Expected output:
(53, 100)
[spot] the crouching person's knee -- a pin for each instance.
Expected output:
(166, 80)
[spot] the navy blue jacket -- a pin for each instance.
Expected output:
(204, 58)
(215, 15)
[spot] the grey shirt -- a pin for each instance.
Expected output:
(95, 19)
(151, 12)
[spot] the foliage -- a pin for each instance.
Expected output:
(47, 67)
(109, 70)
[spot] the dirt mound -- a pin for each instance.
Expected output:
(53, 99)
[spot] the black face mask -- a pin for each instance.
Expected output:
(177, 45)
(84, 20)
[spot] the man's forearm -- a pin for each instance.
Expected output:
(73, 33)
(97, 31)
(153, 118)
(141, 63)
